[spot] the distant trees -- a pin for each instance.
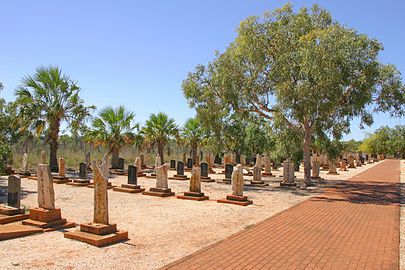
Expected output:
(47, 99)
(158, 130)
(385, 140)
(114, 128)
(193, 135)
(302, 69)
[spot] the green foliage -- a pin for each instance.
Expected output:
(351, 146)
(113, 129)
(193, 135)
(385, 140)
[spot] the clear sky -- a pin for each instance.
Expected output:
(136, 53)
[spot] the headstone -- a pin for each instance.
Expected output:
(121, 164)
(62, 167)
(100, 197)
(180, 168)
(204, 169)
(46, 194)
(132, 175)
(195, 180)
(24, 168)
(82, 170)
(243, 160)
(138, 164)
(43, 157)
(332, 167)
(343, 165)
(172, 164)
(161, 177)
(315, 168)
(237, 181)
(189, 163)
(258, 161)
(267, 165)
(350, 161)
(257, 175)
(14, 189)
(287, 169)
(217, 160)
(228, 171)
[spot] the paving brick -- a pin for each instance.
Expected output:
(354, 225)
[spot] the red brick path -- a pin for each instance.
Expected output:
(352, 226)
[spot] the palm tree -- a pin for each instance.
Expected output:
(46, 100)
(158, 130)
(113, 129)
(193, 135)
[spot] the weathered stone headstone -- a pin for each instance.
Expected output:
(288, 174)
(350, 161)
(172, 164)
(217, 160)
(161, 177)
(24, 168)
(243, 160)
(82, 170)
(132, 175)
(100, 197)
(315, 169)
(46, 194)
(343, 165)
(267, 166)
(62, 167)
(43, 157)
(332, 167)
(195, 179)
(14, 189)
(87, 160)
(237, 181)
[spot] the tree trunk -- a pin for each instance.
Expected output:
(161, 152)
(307, 155)
(53, 146)
(115, 158)
(194, 153)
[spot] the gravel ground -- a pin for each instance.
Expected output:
(161, 230)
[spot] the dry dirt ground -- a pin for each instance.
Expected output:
(161, 230)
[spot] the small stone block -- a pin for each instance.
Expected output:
(192, 198)
(9, 211)
(45, 215)
(244, 203)
(78, 183)
(11, 231)
(151, 176)
(131, 186)
(99, 229)
(97, 240)
(44, 225)
(60, 179)
(236, 198)
(128, 190)
(4, 219)
(159, 192)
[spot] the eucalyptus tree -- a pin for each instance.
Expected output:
(45, 101)
(193, 134)
(159, 129)
(302, 67)
(114, 128)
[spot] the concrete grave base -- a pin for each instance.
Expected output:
(224, 181)
(11, 214)
(179, 177)
(236, 200)
(47, 219)
(256, 184)
(79, 182)
(128, 188)
(98, 235)
(159, 192)
(10, 231)
(60, 179)
(194, 196)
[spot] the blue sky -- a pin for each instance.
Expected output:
(136, 53)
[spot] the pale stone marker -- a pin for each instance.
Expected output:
(14, 189)
(237, 181)
(161, 177)
(46, 194)
(87, 160)
(100, 196)
(195, 180)
(267, 165)
(43, 157)
(62, 168)
(24, 168)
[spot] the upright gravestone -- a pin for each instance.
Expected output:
(100, 232)
(24, 172)
(343, 165)
(316, 166)
(332, 167)
(179, 172)
(204, 172)
(257, 172)
(267, 166)
(350, 161)
(46, 215)
(121, 164)
(82, 180)
(12, 211)
(189, 163)
(172, 164)
(43, 157)
(228, 174)
(162, 189)
(194, 192)
(138, 164)
(82, 170)
(87, 160)
(243, 160)
(217, 160)
(237, 197)
(288, 174)
(61, 177)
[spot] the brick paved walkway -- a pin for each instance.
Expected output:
(352, 226)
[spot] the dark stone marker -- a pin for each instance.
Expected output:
(121, 163)
(82, 170)
(180, 168)
(204, 169)
(217, 160)
(254, 160)
(238, 159)
(132, 176)
(228, 171)
(189, 163)
(14, 187)
(172, 164)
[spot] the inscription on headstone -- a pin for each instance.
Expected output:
(100, 197)
(46, 194)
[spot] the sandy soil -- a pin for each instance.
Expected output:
(161, 230)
